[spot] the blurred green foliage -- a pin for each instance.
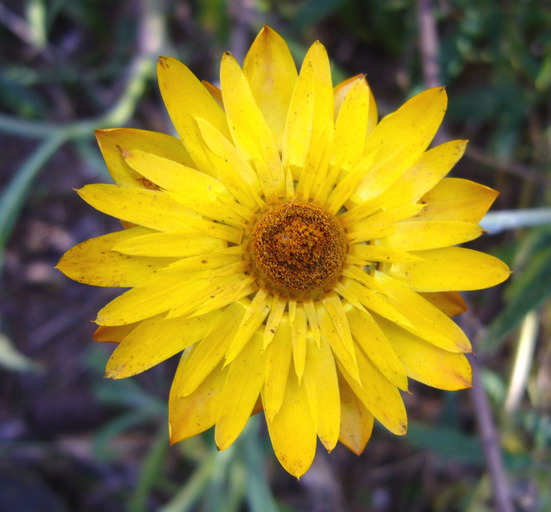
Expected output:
(64, 71)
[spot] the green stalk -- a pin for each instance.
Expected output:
(13, 198)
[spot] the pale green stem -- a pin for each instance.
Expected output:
(14, 196)
(186, 498)
(151, 37)
(523, 361)
(149, 473)
(495, 222)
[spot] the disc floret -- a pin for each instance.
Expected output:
(298, 250)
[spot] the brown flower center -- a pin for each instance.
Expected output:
(298, 250)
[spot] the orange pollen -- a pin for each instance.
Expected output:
(298, 250)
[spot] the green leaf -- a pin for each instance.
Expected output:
(110, 431)
(15, 194)
(450, 443)
(12, 359)
(528, 288)
(259, 494)
(446, 442)
(312, 11)
(151, 472)
(195, 487)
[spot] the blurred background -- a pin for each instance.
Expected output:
(72, 441)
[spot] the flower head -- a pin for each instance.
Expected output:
(300, 253)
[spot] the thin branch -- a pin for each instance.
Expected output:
(490, 443)
(428, 47)
(16, 24)
(322, 486)
(489, 436)
(428, 44)
(55, 135)
(241, 14)
(513, 168)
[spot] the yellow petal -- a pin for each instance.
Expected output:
(379, 395)
(256, 312)
(298, 126)
(324, 110)
(426, 173)
(278, 360)
(334, 340)
(457, 199)
(274, 319)
(322, 389)
(241, 288)
(356, 420)
(174, 78)
(232, 167)
(335, 308)
(372, 340)
(419, 118)
(292, 430)
(426, 363)
(450, 303)
(373, 119)
(311, 110)
(351, 126)
(215, 260)
(169, 245)
(297, 133)
(240, 392)
(365, 254)
(376, 225)
(357, 293)
(451, 268)
(155, 340)
(312, 183)
(420, 235)
(426, 321)
(148, 208)
(341, 90)
(161, 293)
(312, 316)
(114, 334)
(192, 414)
(215, 92)
(171, 175)
(298, 338)
(249, 129)
(344, 189)
(112, 141)
(210, 351)
(95, 262)
(191, 188)
(175, 290)
(153, 209)
(272, 74)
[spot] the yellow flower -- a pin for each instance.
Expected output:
(297, 251)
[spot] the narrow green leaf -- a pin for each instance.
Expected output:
(12, 359)
(529, 287)
(188, 496)
(14, 196)
(151, 472)
(259, 494)
(450, 443)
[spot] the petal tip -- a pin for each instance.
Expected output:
(163, 61)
